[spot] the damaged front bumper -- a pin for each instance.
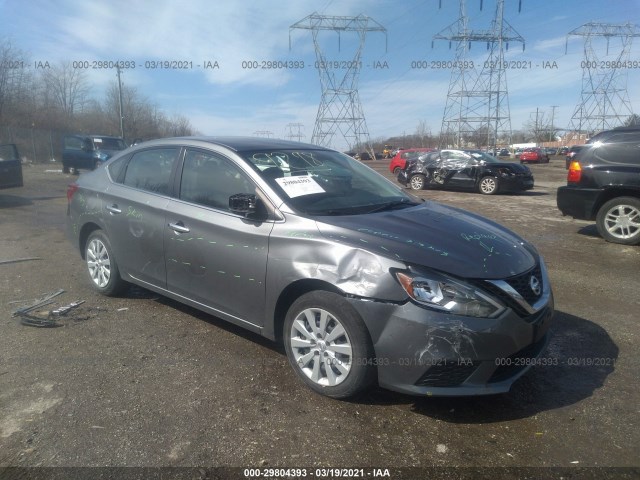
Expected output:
(424, 352)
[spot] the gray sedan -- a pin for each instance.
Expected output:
(362, 282)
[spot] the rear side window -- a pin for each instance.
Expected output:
(8, 152)
(621, 148)
(151, 169)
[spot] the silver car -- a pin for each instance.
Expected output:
(362, 282)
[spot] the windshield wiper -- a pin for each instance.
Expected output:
(392, 205)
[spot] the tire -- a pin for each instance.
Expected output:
(489, 185)
(618, 220)
(65, 168)
(102, 267)
(396, 171)
(328, 345)
(417, 181)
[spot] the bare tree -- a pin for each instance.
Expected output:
(66, 87)
(539, 128)
(13, 73)
(423, 133)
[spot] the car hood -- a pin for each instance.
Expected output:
(436, 236)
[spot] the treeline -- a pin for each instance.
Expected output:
(39, 106)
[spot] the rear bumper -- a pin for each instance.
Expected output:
(578, 202)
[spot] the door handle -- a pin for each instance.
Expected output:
(114, 208)
(179, 227)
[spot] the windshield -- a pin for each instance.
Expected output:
(102, 143)
(478, 155)
(323, 182)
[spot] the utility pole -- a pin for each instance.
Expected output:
(340, 110)
(553, 116)
(120, 103)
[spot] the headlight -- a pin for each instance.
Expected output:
(446, 294)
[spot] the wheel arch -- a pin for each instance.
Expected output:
(610, 194)
(86, 230)
(290, 294)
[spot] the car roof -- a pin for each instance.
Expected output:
(237, 144)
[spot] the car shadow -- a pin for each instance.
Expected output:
(581, 355)
(10, 201)
(589, 231)
(531, 194)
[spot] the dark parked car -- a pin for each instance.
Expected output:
(466, 169)
(361, 281)
(88, 151)
(534, 154)
(572, 152)
(10, 167)
(603, 184)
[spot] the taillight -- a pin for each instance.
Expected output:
(71, 189)
(575, 172)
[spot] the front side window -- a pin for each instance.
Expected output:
(150, 170)
(209, 179)
(73, 143)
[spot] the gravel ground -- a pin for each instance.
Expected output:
(142, 381)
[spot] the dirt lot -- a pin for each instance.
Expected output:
(142, 381)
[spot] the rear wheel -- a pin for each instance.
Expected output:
(396, 171)
(102, 266)
(488, 185)
(417, 181)
(618, 220)
(328, 345)
(65, 168)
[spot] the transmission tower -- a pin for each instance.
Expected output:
(295, 131)
(477, 103)
(263, 133)
(340, 110)
(604, 101)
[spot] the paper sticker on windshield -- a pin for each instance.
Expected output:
(298, 186)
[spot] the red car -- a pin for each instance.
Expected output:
(399, 161)
(534, 155)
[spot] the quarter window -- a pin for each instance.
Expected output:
(150, 170)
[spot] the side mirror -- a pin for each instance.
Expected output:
(244, 204)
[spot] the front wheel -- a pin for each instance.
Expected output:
(618, 220)
(488, 185)
(328, 345)
(417, 182)
(101, 265)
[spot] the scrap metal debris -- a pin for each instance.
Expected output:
(33, 315)
(17, 260)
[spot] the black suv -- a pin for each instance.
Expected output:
(603, 184)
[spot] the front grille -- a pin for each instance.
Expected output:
(450, 373)
(521, 284)
(518, 361)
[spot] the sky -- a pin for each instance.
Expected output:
(232, 37)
